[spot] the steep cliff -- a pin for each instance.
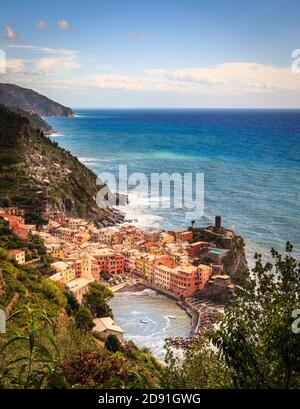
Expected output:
(35, 120)
(234, 261)
(34, 171)
(14, 96)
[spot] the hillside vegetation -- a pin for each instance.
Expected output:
(34, 171)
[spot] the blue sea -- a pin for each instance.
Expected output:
(250, 160)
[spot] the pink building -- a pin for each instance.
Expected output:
(109, 261)
(17, 224)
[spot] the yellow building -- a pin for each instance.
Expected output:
(66, 269)
(165, 238)
(58, 253)
(162, 276)
(82, 237)
(140, 263)
(149, 266)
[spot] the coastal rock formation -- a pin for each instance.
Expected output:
(207, 321)
(28, 100)
(35, 120)
(34, 172)
(234, 262)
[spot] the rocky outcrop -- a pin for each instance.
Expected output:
(35, 171)
(30, 101)
(35, 120)
(234, 262)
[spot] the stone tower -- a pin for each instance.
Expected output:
(218, 222)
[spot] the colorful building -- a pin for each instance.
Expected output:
(186, 280)
(109, 261)
(64, 268)
(18, 256)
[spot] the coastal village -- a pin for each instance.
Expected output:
(165, 261)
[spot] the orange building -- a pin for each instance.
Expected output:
(17, 224)
(186, 235)
(186, 280)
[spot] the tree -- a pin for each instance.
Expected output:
(96, 300)
(255, 338)
(72, 303)
(201, 368)
(84, 319)
(101, 369)
(112, 343)
(256, 344)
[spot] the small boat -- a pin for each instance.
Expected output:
(171, 317)
(144, 322)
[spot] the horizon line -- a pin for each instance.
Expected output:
(191, 108)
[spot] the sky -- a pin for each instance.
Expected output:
(154, 54)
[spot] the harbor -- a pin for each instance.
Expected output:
(148, 318)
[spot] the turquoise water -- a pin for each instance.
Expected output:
(250, 160)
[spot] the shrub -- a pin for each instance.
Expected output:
(112, 343)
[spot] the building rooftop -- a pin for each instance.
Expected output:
(106, 323)
(220, 277)
(189, 269)
(150, 244)
(104, 252)
(78, 283)
(16, 251)
(56, 277)
(60, 265)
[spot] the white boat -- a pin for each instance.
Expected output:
(171, 317)
(143, 321)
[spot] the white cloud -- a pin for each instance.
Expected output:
(64, 25)
(230, 84)
(57, 60)
(224, 79)
(15, 65)
(10, 34)
(56, 64)
(231, 78)
(41, 24)
(47, 50)
(48, 60)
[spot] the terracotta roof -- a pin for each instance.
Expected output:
(150, 244)
(15, 251)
